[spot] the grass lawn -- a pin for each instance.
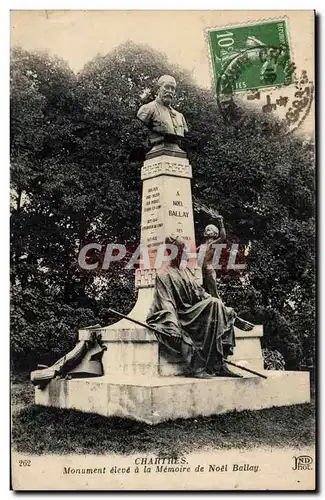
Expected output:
(41, 430)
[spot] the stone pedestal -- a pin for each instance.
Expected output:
(166, 208)
(139, 381)
(140, 384)
(158, 399)
(136, 351)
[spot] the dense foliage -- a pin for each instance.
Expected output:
(76, 153)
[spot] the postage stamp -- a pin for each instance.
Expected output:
(263, 47)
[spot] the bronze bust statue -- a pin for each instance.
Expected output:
(163, 121)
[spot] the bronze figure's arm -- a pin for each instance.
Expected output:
(222, 232)
(223, 235)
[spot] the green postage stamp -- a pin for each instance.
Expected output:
(252, 56)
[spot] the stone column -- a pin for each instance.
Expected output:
(166, 208)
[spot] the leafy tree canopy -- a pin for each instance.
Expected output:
(76, 154)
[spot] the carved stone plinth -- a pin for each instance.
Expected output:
(141, 384)
(166, 165)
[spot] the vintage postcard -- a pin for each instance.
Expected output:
(163, 250)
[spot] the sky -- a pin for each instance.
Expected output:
(77, 36)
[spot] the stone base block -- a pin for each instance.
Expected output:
(134, 351)
(157, 399)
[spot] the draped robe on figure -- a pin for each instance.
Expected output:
(182, 308)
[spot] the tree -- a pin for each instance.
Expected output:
(76, 151)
